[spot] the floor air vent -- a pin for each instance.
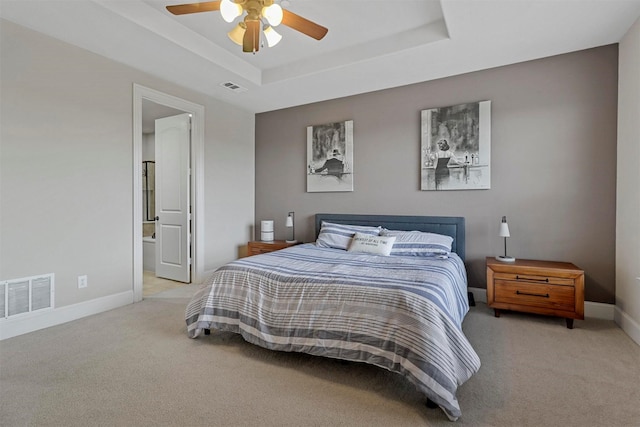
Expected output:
(20, 296)
(233, 87)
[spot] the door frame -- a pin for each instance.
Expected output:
(197, 180)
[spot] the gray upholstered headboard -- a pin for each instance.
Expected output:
(448, 225)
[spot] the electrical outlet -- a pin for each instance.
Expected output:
(82, 282)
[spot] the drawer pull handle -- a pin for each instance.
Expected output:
(532, 279)
(532, 294)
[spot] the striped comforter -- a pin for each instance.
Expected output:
(401, 313)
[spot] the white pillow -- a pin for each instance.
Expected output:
(379, 245)
(338, 236)
(419, 243)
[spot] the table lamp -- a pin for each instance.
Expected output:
(504, 232)
(290, 224)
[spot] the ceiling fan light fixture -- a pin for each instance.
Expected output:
(273, 14)
(230, 10)
(272, 36)
(261, 17)
(237, 34)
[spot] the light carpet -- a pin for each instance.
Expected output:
(135, 366)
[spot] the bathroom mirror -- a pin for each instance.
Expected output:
(148, 190)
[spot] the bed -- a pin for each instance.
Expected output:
(401, 313)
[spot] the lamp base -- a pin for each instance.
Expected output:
(504, 258)
(291, 241)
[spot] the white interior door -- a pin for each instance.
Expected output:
(173, 234)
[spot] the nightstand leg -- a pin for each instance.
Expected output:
(496, 312)
(570, 323)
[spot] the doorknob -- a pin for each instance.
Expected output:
(157, 218)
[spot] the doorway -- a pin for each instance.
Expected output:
(148, 103)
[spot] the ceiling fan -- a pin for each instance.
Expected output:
(247, 32)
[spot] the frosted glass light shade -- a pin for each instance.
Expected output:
(504, 230)
(230, 10)
(272, 36)
(273, 14)
(289, 221)
(237, 34)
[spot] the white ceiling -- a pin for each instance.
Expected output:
(368, 47)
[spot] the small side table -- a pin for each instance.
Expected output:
(544, 287)
(259, 247)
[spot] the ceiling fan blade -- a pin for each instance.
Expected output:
(251, 39)
(182, 9)
(303, 25)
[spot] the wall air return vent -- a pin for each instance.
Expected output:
(20, 296)
(233, 87)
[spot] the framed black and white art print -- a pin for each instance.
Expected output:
(330, 157)
(456, 147)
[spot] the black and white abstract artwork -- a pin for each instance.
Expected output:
(456, 147)
(330, 157)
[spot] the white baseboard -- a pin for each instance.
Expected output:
(35, 321)
(627, 324)
(596, 310)
(40, 320)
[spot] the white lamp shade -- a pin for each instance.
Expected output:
(230, 10)
(504, 230)
(273, 14)
(272, 36)
(289, 221)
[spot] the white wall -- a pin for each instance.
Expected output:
(66, 169)
(628, 186)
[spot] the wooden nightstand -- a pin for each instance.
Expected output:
(542, 287)
(259, 247)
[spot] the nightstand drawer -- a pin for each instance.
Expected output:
(535, 278)
(534, 294)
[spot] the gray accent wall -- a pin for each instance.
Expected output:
(553, 165)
